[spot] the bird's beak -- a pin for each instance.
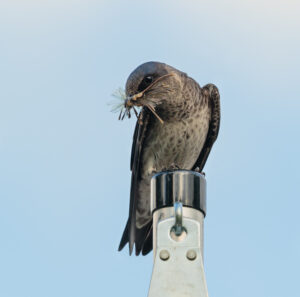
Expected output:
(134, 100)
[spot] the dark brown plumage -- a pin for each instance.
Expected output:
(177, 127)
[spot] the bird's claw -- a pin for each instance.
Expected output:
(197, 169)
(173, 166)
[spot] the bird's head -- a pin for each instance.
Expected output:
(153, 85)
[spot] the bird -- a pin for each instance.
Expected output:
(176, 128)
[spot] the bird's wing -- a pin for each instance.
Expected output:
(131, 234)
(212, 92)
(134, 141)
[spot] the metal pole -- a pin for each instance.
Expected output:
(178, 201)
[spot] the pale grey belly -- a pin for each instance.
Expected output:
(168, 145)
(174, 144)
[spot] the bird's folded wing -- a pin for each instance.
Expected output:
(212, 92)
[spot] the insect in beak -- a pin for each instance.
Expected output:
(133, 100)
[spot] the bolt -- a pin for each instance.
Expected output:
(191, 255)
(164, 255)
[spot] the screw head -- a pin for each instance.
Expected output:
(191, 255)
(164, 255)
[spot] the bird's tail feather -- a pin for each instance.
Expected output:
(148, 242)
(125, 236)
(141, 238)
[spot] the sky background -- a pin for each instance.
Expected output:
(64, 157)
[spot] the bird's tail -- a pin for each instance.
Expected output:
(140, 237)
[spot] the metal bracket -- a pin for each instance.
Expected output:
(178, 235)
(178, 228)
(178, 265)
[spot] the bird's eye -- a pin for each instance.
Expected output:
(146, 82)
(148, 79)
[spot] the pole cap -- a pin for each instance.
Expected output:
(185, 186)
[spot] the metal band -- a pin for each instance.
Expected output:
(184, 186)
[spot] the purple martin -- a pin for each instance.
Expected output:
(176, 128)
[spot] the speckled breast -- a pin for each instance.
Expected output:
(175, 144)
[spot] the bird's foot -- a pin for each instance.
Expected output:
(197, 169)
(173, 166)
(152, 171)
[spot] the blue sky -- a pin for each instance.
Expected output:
(64, 157)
